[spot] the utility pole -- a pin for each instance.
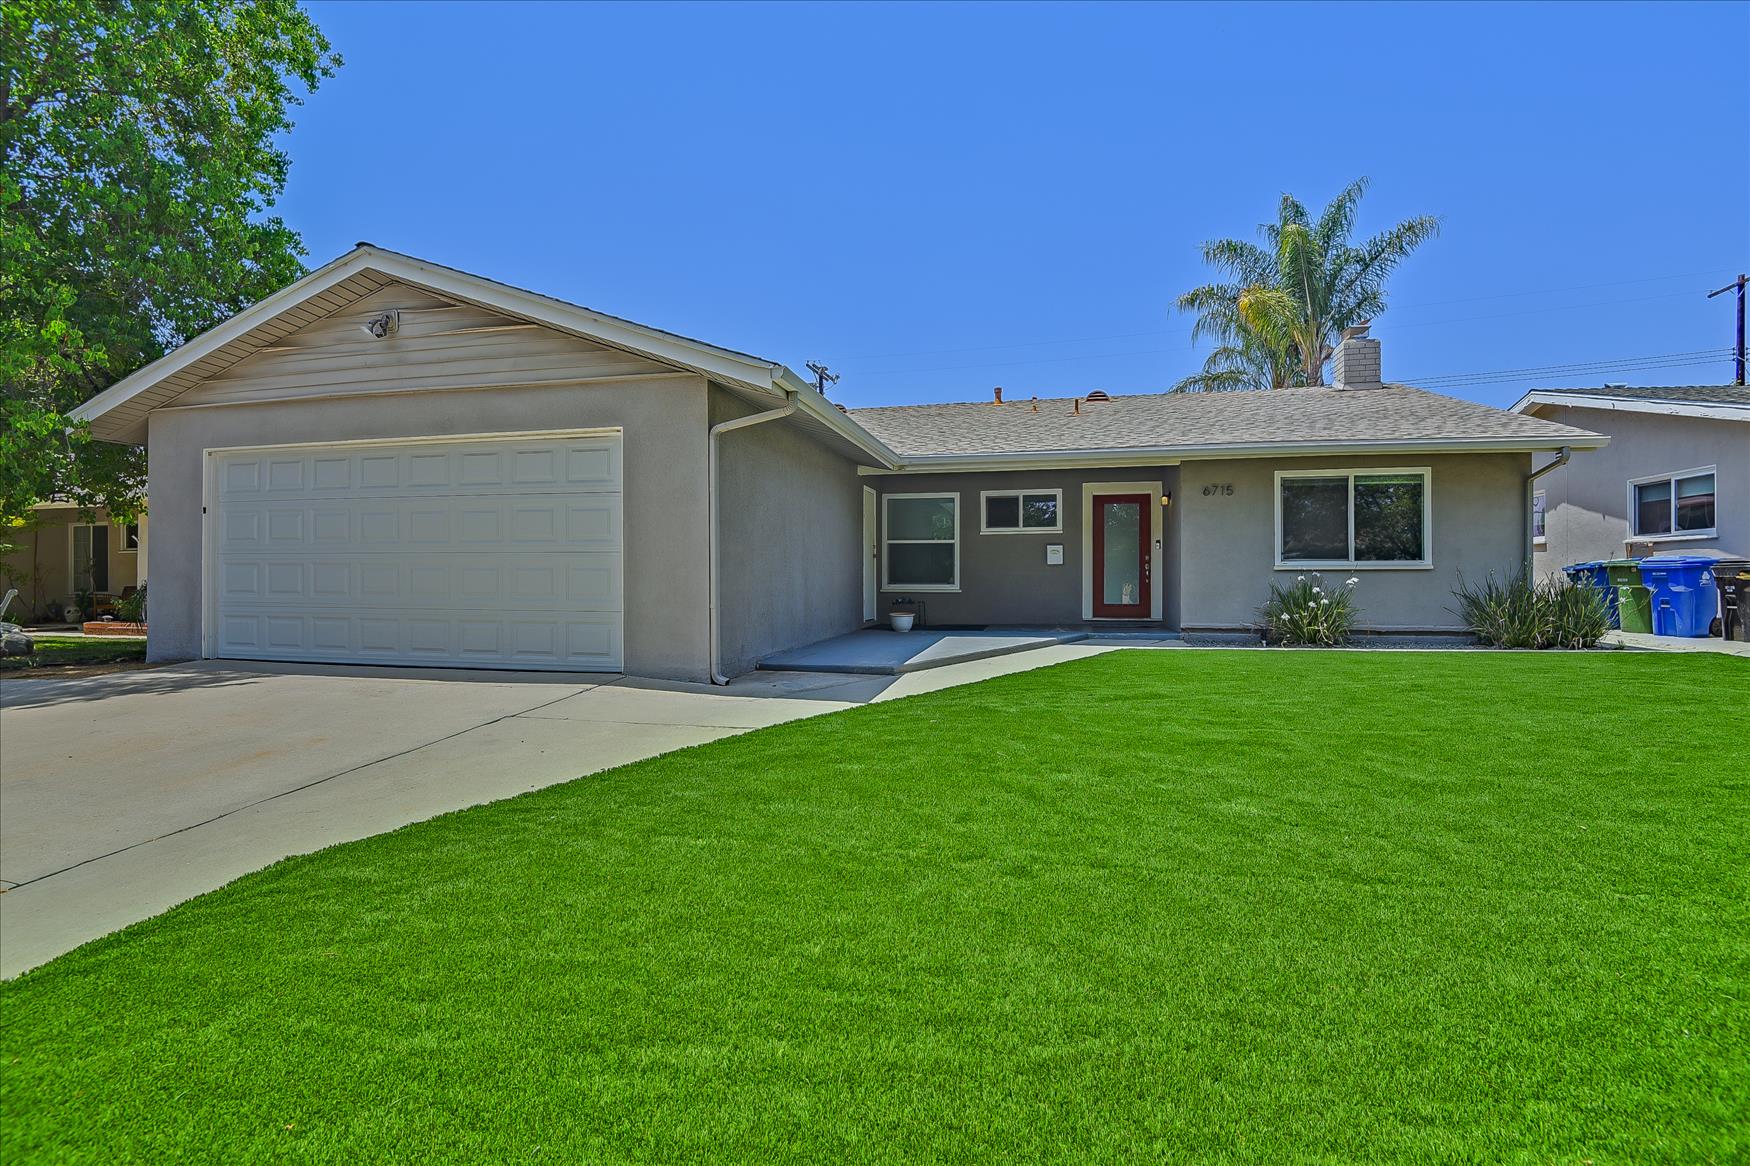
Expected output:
(1739, 351)
(823, 378)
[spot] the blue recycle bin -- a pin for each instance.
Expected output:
(1683, 590)
(1594, 574)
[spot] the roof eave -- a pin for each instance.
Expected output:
(1169, 455)
(1717, 411)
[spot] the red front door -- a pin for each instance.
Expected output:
(1122, 546)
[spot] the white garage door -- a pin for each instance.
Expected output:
(484, 553)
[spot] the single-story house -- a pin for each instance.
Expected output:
(1675, 478)
(63, 559)
(392, 461)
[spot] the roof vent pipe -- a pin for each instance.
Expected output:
(999, 394)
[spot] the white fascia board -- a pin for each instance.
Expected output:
(1174, 455)
(217, 337)
(809, 401)
(1716, 412)
(695, 356)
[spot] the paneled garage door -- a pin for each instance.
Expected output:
(481, 553)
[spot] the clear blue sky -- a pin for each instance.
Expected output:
(938, 199)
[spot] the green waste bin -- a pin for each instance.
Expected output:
(1634, 608)
(1620, 573)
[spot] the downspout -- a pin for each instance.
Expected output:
(713, 539)
(1530, 501)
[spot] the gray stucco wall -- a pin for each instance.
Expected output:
(790, 567)
(665, 423)
(1228, 562)
(1587, 499)
(1004, 578)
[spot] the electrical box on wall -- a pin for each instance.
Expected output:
(1054, 554)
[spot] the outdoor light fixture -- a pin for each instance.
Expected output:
(378, 327)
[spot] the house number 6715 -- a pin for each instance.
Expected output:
(1225, 489)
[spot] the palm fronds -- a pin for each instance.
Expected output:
(1278, 308)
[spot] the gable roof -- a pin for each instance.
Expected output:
(119, 412)
(1135, 430)
(1171, 425)
(1720, 402)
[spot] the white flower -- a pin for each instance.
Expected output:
(1318, 591)
(1322, 602)
(1352, 580)
(1300, 578)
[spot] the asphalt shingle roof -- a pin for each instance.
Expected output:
(1177, 420)
(1675, 394)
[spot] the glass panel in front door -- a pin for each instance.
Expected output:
(1121, 566)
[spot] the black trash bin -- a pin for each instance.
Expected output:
(1732, 577)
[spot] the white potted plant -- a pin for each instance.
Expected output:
(902, 615)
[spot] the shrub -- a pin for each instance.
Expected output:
(1579, 613)
(1307, 612)
(132, 606)
(1517, 613)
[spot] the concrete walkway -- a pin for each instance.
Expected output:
(1651, 643)
(881, 652)
(124, 794)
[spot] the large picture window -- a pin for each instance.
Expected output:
(1022, 511)
(1679, 505)
(1352, 518)
(921, 542)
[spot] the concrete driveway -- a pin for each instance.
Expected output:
(122, 795)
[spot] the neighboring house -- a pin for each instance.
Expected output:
(61, 555)
(1675, 477)
(393, 461)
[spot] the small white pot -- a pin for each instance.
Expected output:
(902, 620)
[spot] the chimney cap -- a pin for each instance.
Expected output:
(1357, 331)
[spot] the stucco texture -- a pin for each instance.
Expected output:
(1004, 578)
(1587, 500)
(665, 424)
(790, 512)
(1478, 526)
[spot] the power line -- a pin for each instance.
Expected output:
(1587, 369)
(1381, 323)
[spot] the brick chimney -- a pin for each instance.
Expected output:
(1355, 364)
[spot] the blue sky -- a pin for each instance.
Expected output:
(938, 199)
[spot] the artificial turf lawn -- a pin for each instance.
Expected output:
(1184, 906)
(61, 651)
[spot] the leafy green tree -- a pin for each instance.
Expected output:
(137, 163)
(1280, 305)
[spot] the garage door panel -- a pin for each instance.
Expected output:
(534, 466)
(580, 581)
(391, 525)
(474, 553)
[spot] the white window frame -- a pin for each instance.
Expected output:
(1674, 535)
(1541, 540)
(984, 526)
(887, 560)
(1425, 563)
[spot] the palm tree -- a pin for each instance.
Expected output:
(1280, 306)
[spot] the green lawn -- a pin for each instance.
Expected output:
(1152, 906)
(54, 651)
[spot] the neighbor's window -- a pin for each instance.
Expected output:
(1674, 504)
(1019, 511)
(1537, 517)
(922, 551)
(131, 538)
(1352, 518)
